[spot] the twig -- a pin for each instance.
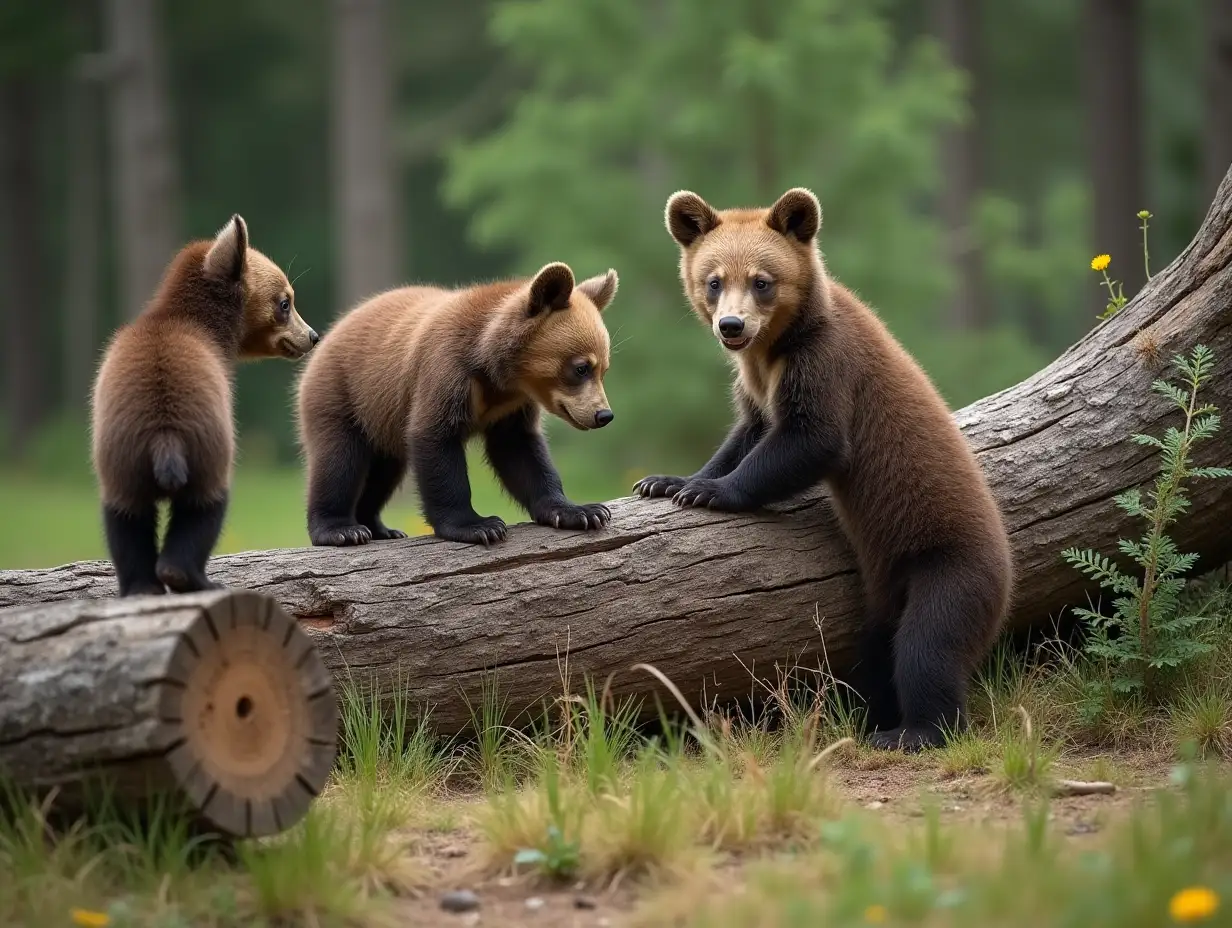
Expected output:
(1083, 788)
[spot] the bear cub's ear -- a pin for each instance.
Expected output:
(796, 214)
(601, 288)
(551, 289)
(227, 256)
(689, 217)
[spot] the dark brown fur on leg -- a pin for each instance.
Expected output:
(191, 535)
(132, 539)
(826, 393)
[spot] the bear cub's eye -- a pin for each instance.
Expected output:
(714, 284)
(582, 370)
(284, 308)
(760, 284)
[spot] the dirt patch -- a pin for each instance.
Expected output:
(902, 788)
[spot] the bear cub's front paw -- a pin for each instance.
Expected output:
(339, 534)
(566, 515)
(708, 493)
(486, 530)
(659, 485)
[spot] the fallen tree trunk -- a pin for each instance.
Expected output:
(217, 700)
(709, 597)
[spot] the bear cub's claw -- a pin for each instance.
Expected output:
(571, 516)
(707, 493)
(382, 532)
(659, 485)
(482, 531)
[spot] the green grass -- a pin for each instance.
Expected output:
(863, 872)
(54, 519)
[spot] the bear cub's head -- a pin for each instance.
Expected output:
(746, 271)
(567, 350)
(272, 326)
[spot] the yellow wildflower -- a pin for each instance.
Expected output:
(875, 914)
(1101, 262)
(89, 919)
(1193, 904)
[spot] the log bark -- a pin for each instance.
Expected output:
(216, 699)
(711, 598)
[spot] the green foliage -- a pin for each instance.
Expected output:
(738, 100)
(557, 859)
(1148, 629)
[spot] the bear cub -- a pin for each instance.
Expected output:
(407, 377)
(825, 393)
(161, 417)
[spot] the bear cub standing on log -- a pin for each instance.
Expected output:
(161, 408)
(408, 376)
(825, 392)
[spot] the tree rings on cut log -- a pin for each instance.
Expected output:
(256, 714)
(219, 699)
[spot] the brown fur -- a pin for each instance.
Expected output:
(825, 392)
(418, 370)
(161, 411)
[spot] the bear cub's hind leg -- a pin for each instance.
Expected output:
(132, 540)
(337, 471)
(191, 535)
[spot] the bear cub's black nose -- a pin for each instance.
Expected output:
(603, 417)
(730, 326)
(313, 336)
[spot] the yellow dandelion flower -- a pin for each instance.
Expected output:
(1193, 904)
(88, 919)
(1101, 262)
(875, 914)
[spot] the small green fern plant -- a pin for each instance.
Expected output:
(1149, 629)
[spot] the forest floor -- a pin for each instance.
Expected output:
(589, 820)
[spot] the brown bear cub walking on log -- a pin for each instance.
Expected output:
(825, 392)
(407, 377)
(161, 409)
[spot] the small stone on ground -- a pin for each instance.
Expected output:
(459, 900)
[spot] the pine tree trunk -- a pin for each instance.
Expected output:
(366, 189)
(1112, 100)
(958, 28)
(24, 302)
(143, 156)
(81, 257)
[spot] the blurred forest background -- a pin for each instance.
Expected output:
(970, 158)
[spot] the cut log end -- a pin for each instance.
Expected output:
(218, 699)
(252, 715)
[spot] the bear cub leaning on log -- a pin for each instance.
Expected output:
(825, 392)
(408, 376)
(161, 409)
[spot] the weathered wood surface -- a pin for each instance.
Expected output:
(218, 699)
(707, 597)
